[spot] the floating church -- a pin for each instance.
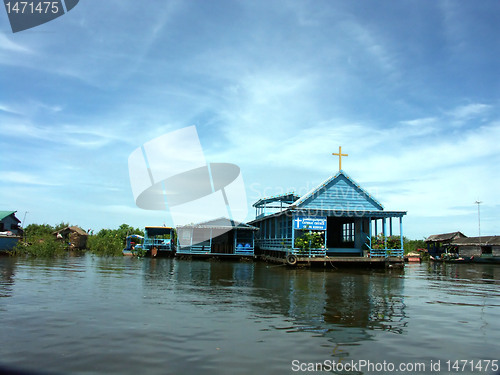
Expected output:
(337, 221)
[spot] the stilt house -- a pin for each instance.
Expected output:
(337, 218)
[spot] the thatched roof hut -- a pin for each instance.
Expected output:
(75, 236)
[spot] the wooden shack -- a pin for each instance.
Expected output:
(221, 237)
(74, 236)
(338, 218)
(10, 224)
(477, 247)
(438, 244)
(10, 230)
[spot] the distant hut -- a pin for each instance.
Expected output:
(75, 236)
(10, 230)
(484, 246)
(10, 224)
(438, 244)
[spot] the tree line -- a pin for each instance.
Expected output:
(40, 240)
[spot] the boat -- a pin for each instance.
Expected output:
(133, 245)
(413, 257)
(159, 241)
(8, 241)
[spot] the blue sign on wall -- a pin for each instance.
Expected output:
(311, 223)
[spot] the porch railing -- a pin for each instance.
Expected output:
(374, 253)
(274, 243)
(204, 248)
(308, 253)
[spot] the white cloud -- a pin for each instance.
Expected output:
(7, 44)
(26, 179)
(8, 109)
(468, 111)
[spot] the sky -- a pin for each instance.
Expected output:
(409, 89)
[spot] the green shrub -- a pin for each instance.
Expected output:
(111, 242)
(105, 244)
(309, 240)
(393, 242)
(414, 245)
(44, 246)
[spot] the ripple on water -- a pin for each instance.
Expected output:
(163, 316)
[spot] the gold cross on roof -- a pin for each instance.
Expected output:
(340, 154)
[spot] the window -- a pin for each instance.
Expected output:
(348, 232)
(486, 250)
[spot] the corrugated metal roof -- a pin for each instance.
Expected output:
(220, 222)
(4, 214)
(476, 241)
(287, 198)
(444, 237)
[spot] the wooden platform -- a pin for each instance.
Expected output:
(188, 256)
(338, 261)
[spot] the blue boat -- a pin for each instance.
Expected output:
(134, 245)
(159, 241)
(8, 241)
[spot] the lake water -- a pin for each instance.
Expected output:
(91, 315)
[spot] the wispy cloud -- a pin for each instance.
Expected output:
(465, 112)
(272, 87)
(7, 44)
(23, 178)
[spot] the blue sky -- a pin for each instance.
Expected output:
(410, 89)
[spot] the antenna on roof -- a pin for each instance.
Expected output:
(478, 202)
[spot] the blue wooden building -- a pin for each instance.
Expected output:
(159, 241)
(337, 218)
(219, 237)
(10, 230)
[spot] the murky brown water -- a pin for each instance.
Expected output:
(91, 315)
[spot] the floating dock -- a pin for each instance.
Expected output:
(336, 262)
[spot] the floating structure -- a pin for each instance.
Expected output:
(439, 244)
(338, 221)
(74, 236)
(133, 245)
(484, 249)
(10, 230)
(221, 237)
(159, 241)
(457, 247)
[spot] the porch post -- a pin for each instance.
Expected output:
(235, 242)
(293, 232)
(326, 233)
(191, 244)
(401, 231)
(211, 234)
(384, 229)
(370, 232)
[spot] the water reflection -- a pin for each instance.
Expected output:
(7, 271)
(478, 282)
(130, 315)
(343, 307)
